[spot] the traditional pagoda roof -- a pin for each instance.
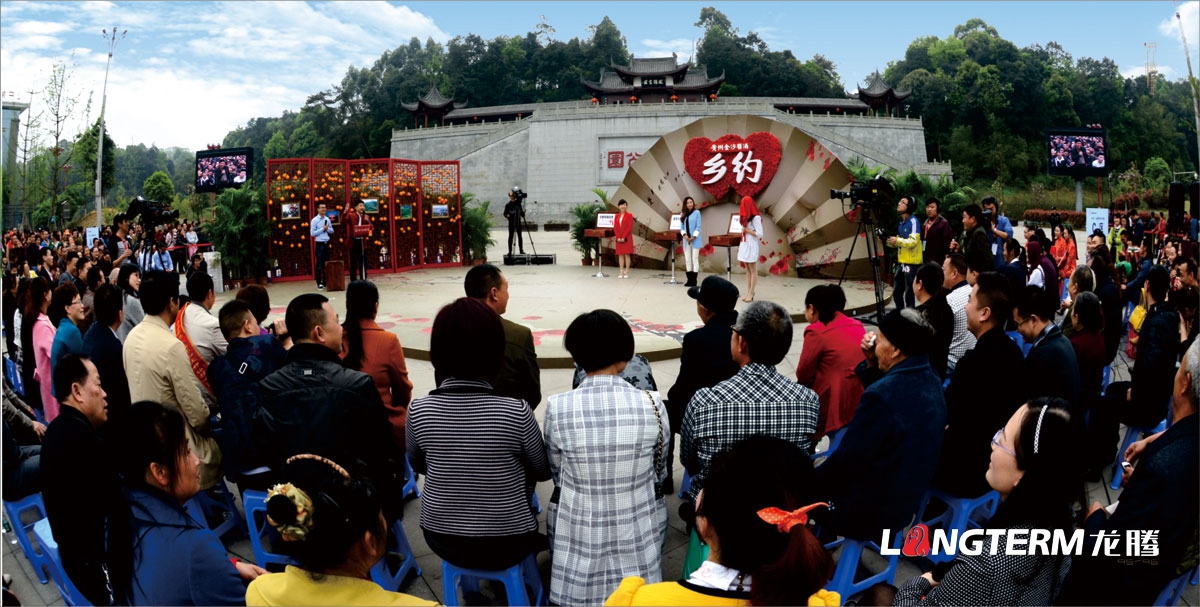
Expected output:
(878, 89)
(684, 78)
(653, 66)
(433, 100)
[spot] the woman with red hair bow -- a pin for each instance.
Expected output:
(748, 250)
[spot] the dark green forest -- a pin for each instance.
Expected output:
(985, 102)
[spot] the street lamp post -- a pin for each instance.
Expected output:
(111, 38)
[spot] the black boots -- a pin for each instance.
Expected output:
(691, 279)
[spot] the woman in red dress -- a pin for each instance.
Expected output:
(623, 234)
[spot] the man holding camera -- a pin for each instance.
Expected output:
(513, 213)
(320, 228)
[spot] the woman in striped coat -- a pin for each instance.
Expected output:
(481, 453)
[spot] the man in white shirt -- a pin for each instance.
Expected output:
(320, 228)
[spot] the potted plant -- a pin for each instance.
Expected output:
(239, 231)
(477, 223)
(585, 219)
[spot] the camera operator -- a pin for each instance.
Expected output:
(514, 212)
(118, 244)
(908, 240)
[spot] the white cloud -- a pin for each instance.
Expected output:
(1139, 71)
(664, 48)
(35, 28)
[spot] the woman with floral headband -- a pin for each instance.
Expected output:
(752, 514)
(159, 554)
(332, 524)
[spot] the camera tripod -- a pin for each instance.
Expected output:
(867, 230)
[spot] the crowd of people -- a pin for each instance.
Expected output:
(992, 374)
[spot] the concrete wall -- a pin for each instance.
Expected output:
(564, 150)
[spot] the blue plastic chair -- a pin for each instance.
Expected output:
(204, 508)
(843, 581)
(1020, 341)
(961, 514)
(255, 503)
(1169, 597)
(45, 539)
(835, 440)
(1107, 377)
(686, 485)
(14, 510)
(410, 486)
(1132, 435)
(14, 376)
(515, 579)
(397, 543)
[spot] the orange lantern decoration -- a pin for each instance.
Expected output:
(595, 101)
(633, 99)
(712, 97)
(674, 98)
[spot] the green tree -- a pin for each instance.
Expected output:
(158, 187)
(239, 231)
(606, 45)
(86, 152)
(277, 147)
(1156, 175)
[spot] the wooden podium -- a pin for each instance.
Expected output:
(599, 233)
(670, 237)
(335, 275)
(729, 241)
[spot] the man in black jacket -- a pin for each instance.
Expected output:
(1050, 368)
(101, 345)
(931, 303)
(1144, 400)
(1160, 496)
(982, 394)
(1110, 302)
(706, 360)
(77, 483)
(315, 405)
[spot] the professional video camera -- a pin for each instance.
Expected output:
(519, 195)
(872, 194)
(150, 213)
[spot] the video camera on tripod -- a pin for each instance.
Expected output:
(150, 213)
(868, 199)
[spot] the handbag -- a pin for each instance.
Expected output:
(658, 448)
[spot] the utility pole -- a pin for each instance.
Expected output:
(1151, 68)
(1191, 79)
(110, 38)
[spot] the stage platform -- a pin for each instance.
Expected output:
(547, 298)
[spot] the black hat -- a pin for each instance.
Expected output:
(908, 330)
(716, 293)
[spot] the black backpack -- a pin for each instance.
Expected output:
(235, 379)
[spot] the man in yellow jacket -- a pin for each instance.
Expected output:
(908, 240)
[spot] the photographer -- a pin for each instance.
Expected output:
(514, 213)
(118, 244)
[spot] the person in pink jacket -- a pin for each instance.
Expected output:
(43, 342)
(832, 348)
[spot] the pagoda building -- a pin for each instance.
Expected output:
(653, 80)
(879, 95)
(432, 105)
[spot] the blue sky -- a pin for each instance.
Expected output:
(188, 72)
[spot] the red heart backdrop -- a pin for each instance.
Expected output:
(744, 165)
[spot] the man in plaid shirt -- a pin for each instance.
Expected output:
(757, 400)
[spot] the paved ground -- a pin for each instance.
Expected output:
(546, 298)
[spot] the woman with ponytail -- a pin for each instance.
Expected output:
(332, 524)
(368, 348)
(752, 514)
(1035, 468)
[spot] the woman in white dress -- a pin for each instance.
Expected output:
(748, 249)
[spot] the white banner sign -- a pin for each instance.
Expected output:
(1097, 219)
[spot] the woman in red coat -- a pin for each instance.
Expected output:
(368, 348)
(832, 348)
(623, 235)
